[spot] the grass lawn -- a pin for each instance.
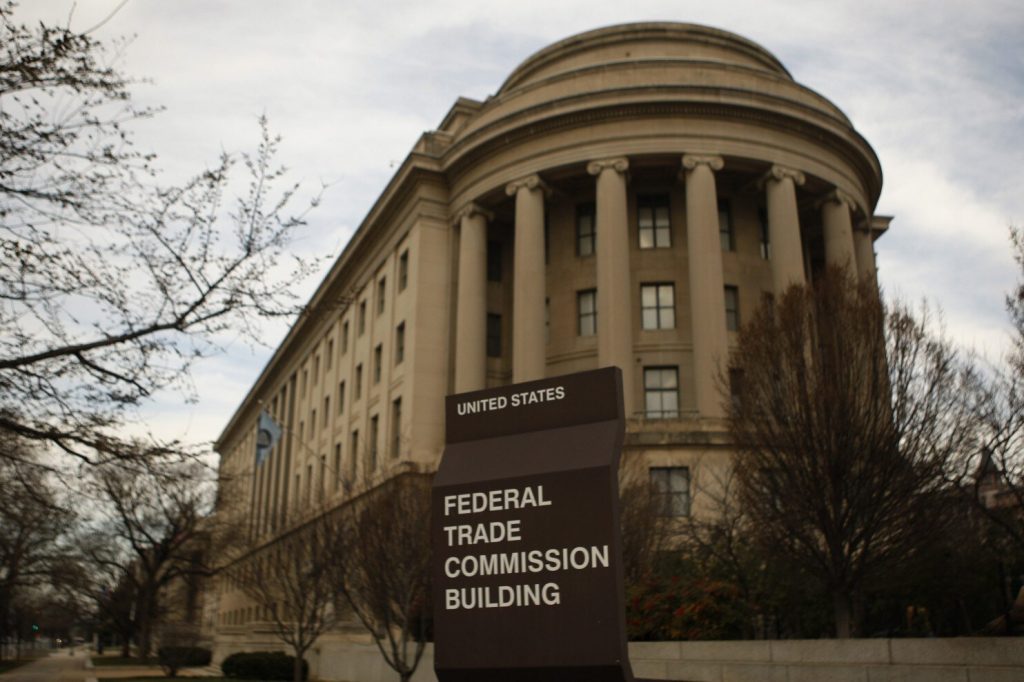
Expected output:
(101, 661)
(25, 658)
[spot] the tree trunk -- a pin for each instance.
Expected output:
(843, 615)
(297, 668)
(126, 647)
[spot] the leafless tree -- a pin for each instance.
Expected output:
(845, 417)
(35, 526)
(384, 569)
(291, 582)
(112, 284)
(646, 529)
(153, 531)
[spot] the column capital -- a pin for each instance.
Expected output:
(837, 196)
(713, 161)
(619, 164)
(778, 173)
(529, 182)
(469, 210)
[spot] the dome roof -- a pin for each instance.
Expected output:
(640, 41)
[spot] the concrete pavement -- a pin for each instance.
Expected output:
(59, 666)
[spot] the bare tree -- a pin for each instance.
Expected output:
(646, 529)
(34, 528)
(291, 582)
(845, 418)
(384, 569)
(153, 531)
(111, 284)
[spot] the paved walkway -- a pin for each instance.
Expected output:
(59, 666)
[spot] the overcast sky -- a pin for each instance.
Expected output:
(936, 87)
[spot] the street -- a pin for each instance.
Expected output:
(57, 667)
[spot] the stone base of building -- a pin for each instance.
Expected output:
(353, 658)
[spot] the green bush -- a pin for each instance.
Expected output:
(261, 665)
(174, 658)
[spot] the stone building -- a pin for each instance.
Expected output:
(627, 197)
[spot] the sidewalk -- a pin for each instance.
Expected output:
(59, 666)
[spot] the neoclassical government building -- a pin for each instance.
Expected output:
(627, 197)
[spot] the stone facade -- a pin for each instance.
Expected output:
(627, 197)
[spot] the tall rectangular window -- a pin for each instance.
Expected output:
(316, 368)
(586, 230)
(725, 230)
(732, 308)
(358, 388)
(353, 456)
(396, 427)
(658, 306)
(322, 488)
(493, 261)
(362, 318)
(403, 270)
(493, 335)
(378, 360)
(672, 488)
(661, 392)
(344, 337)
(371, 447)
(586, 312)
(309, 483)
(653, 222)
(327, 409)
(766, 244)
(312, 423)
(330, 353)
(341, 397)
(337, 465)
(382, 287)
(400, 343)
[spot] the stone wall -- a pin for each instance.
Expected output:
(975, 659)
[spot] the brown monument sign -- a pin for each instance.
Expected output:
(527, 563)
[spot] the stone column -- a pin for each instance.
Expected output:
(614, 293)
(837, 229)
(471, 306)
(784, 227)
(528, 345)
(864, 247)
(707, 287)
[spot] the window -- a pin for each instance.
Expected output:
(378, 360)
(725, 231)
(493, 335)
(586, 307)
(316, 369)
(312, 423)
(358, 388)
(337, 465)
(403, 270)
(309, 483)
(305, 380)
(396, 427)
(735, 384)
(327, 409)
(661, 392)
(732, 308)
(400, 343)
(302, 431)
(372, 445)
(658, 306)
(493, 261)
(322, 488)
(766, 244)
(672, 488)
(381, 298)
(344, 337)
(353, 454)
(653, 222)
(330, 353)
(586, 234)
(341, 397)
(362, 318)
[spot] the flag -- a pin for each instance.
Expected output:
(267, 435)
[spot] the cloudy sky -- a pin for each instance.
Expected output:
(936, 87)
